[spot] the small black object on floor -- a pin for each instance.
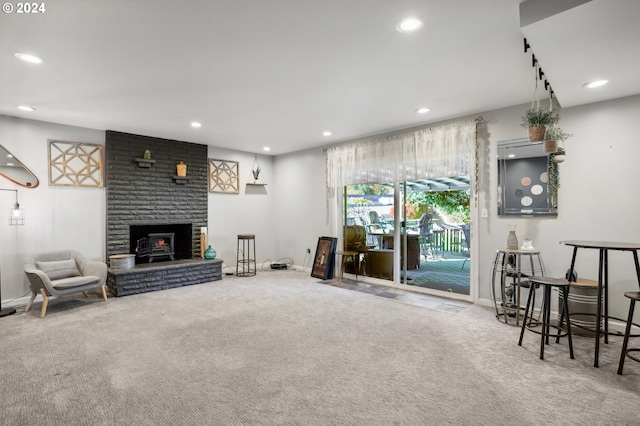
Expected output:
(278, 266)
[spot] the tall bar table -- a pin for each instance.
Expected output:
(603, 280)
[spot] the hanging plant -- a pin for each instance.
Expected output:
(557, 134)
(553, 136)
(256, 173)
(255, 170)
(537, 119)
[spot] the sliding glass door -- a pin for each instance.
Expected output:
(437, 165)
(437, 234)
(418, 228)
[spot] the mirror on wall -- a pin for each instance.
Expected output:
(13, 169)
(523, 180)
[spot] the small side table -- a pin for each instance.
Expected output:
(508, 263)
(354, 258)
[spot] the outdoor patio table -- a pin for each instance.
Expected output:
(603, 280)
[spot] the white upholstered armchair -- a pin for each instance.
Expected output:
(63, 272)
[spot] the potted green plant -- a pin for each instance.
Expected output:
(552, 136)
(255, 170)
(256, 174)
(536, 120)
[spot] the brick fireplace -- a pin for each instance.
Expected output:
(149, 197)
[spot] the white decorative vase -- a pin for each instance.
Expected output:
(512, 240)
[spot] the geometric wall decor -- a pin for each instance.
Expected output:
(75, 164)
(224, 176)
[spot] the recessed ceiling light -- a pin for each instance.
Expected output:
(28, 58)
(511, 156)
(266, 148)
(26, 108)
(196, 124)
(410, 25)
(422, 110)
(594, 84)
(327, 133)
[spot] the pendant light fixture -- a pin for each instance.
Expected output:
(16, 214)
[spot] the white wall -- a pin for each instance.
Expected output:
(597, 195)
(55, 217)
(301, 205)
(252, 211)
(598, 199)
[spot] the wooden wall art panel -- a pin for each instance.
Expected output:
(76, 164)
(224, 176)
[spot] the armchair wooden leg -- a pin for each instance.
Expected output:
(33, 296)
(104, 292)
(45, 302)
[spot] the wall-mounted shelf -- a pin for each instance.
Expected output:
(256, 184)
(144, 163)
(180, 180)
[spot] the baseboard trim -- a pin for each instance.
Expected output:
(21, 301)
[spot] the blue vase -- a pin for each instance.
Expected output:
(209, 253)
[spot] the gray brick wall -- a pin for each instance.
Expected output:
(150, 196)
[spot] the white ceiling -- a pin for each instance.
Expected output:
(278, 73)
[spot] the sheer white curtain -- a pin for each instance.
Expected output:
(428, 153)
(440, 152)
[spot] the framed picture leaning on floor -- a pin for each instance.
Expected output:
(323, 262)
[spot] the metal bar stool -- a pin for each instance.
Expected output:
(246, 257)
(547, 283)
(633, 295)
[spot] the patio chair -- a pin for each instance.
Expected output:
(374, 234)
(466, 243)
(424, 226)
(374, 219)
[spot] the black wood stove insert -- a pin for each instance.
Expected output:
(155, 245)
(161, 242)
